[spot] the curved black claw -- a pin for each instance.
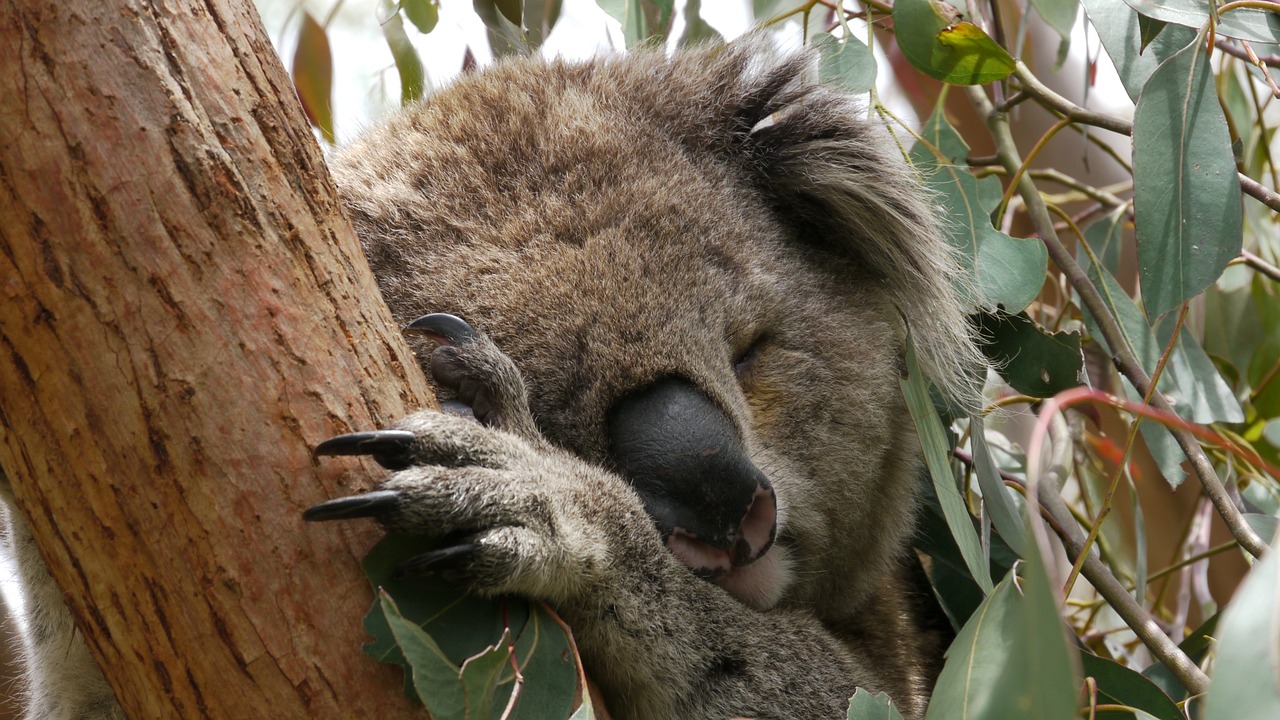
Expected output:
(392, 449)
(443, 328)
(366, 505)
(450, 558)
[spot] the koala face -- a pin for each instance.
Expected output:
(708, 253)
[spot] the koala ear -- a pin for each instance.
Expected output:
(845, 183)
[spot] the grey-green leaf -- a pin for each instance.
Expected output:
(1186, 192)
(435, 679)
(1257, 24)
(1011, 659)
(1008, 271)
(1118, 27)
(1244, 677)
(1059, 14)
(995, 496)
(937, 451)
(696, 30)
(846, 63)
(865, 706)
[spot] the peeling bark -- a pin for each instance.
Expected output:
(184, 313)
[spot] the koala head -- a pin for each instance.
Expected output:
(713, 251)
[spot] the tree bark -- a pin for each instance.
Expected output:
(184, 313)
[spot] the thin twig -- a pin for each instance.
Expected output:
(1032, 86)
(1259, 191)
(1111, 589)
(1110, 329)
(1260, 265)
(1229, 48)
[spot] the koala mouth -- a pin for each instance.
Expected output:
(738, 561)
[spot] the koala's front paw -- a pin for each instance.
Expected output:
(509, 514)
(484, 382)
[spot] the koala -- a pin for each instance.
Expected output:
(665, 303)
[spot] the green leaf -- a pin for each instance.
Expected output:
(1011, 659)
(467, 630)
(846, 63)
(1201, 395)
(481, 675)
(1245, 23)
(313, 75)
(1123, 686)
(643, 21)
(937, 451)
(696, 30)
(1149, 30)
(1248, 650)
(945, 48)
(506, 37)
(1059, 14)
(865, 706)
(408, 65)
(424, 14)
(540, 18)
(1007, 271)
(435, 679)
(1186, 193)
(1195, 646)
(1120, 30)
(996, 498)
(1033, 360)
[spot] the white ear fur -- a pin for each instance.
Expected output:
(832, 170)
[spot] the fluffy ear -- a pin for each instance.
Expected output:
(846, 183)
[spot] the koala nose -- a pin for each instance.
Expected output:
(684, 457)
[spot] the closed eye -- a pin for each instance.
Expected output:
(747, 362)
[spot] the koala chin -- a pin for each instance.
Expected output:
(664, 302)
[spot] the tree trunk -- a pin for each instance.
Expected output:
(184, 313)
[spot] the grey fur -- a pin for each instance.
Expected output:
(610, 223)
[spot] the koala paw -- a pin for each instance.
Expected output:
(511, 514)
(485, 384)
(505, 513)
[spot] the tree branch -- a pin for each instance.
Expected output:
(1122, 355)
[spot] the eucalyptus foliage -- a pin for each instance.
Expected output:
(1087, 292)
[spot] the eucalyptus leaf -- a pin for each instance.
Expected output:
(506, 36)
(937, 451)
(1256, 24)
(996, 498)
(435, 678)
(1121, 33)
(1186, 191)
(424, 14)
(1123, 686)
(1245, 685)
(696, 30)
(1011, 659)
(846, 63)
(312, 70)
(865, 706)
(413, 77)
(1008, 272)
(1033, 360)
(464, 629)
(1058, 14)
(941, 45)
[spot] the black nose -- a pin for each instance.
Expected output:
(684, 457)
